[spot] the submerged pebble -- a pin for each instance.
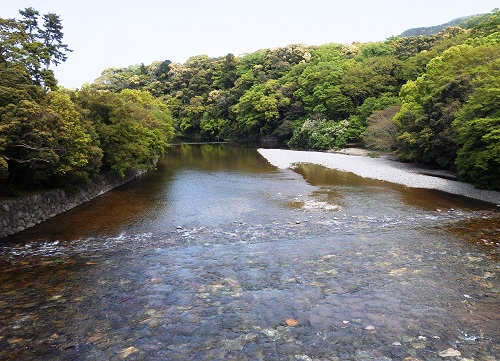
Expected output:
(236, 277)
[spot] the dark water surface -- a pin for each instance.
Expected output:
(218, 255)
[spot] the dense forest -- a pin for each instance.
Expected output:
(431, 99)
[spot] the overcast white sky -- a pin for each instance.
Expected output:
(118, 33)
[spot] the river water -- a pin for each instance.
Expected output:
(218, 255)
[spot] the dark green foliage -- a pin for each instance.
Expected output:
(16, 85)
(25, 43)
(478, 159)
(47, 142)
(226, 74)
(50, 137)
(358, 122)
(432, 136)
(432, 102)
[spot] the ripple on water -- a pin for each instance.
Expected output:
(311, 220)
(227, 292)
(341, 274)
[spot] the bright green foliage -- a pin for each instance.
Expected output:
(80, 156)
(41, 137)
(263, 94)
(328, 53)
(378, 49)
(319, 90)
(431, 102)
(320, 134)
(53, 138)
(322, 96)
(215, 127)
(417, 52)
(249, 71)
(372, 78)
(484, 25)
(117, 79)
(258, 110)
(133, 127)
(478, 127)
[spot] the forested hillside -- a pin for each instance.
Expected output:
(431, 99)
(430, 30)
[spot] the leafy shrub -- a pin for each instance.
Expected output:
(382, 130)
(320, 134)
(359, 122)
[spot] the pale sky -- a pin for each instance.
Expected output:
(118, 33)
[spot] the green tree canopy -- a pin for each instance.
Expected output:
(431, 102)
(43, 142)
(133, 127)
(258, 110)
(296, 91)
(24, 42)
(477, 126)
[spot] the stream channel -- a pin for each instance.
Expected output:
(217, 255)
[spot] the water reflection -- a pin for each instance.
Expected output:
(210, 184)
(209, 256)
(189, 182)
(104, 216)
(481, 232)
(216, 158)
(336, 182)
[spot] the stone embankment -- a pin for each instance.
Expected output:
(18, 214)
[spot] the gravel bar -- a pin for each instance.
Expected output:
(382, 169)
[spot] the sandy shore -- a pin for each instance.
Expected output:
(383, 169)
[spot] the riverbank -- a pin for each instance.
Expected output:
(19, 214)
(383, 168)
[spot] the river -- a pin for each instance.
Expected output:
(217, 255)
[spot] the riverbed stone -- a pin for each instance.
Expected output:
(450, 352)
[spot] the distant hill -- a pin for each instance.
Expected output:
(435, 29)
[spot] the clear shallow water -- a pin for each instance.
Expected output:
(208, 257)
